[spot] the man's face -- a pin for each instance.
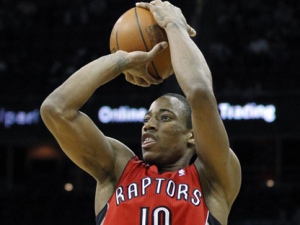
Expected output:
(164, 134)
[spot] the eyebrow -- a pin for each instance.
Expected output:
(161, 110)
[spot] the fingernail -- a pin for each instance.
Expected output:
(164, 44)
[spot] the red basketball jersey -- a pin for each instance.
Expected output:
(145, 197)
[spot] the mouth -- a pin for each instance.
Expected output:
(148, 140)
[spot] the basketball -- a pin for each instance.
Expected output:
(137, 30)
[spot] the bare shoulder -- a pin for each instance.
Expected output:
(219, 194)
(122, 156)
(106, 183)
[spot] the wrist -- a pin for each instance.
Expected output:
(175, 26)
(120, 60)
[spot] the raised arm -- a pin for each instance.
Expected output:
(216, 160)
(217, 164)
(78, 136)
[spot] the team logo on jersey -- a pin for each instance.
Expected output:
(158, 186)
(181, 172)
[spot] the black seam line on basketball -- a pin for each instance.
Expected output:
(141, 32)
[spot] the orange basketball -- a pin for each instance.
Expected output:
(136, 30)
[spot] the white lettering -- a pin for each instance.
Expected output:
(9, 118)
(250, 111)
(123, 114)
(158, 185)
(170, 188)
(197, 194)
(144, 215)
(132, 191)
(164, 213)
(145, 183)
(119, 195)
(182, 192)
(126, 114)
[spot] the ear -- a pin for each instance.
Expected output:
(191, 140)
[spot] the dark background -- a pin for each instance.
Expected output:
(252, 48)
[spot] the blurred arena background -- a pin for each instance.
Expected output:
(252, 48)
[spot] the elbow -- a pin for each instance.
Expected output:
(199, 85)
(53, 110)
(200, 92)
(48, 110)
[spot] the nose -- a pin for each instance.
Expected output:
(150, 125)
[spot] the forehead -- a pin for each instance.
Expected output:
(169, 103)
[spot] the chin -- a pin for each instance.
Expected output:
(150, 159)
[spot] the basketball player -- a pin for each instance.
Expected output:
(164, 188)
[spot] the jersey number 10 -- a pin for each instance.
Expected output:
(160, 216)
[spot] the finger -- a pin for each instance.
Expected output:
(144, 5)
(129, 78)
(141, 82)
(158, 48)
(136, 80)
(155, 2)
(148, 78)
(192, 32)
(167, 3)
(153, 80)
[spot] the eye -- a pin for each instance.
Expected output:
(146, 119)
(165, 118)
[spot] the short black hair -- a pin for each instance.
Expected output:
(187, 109)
